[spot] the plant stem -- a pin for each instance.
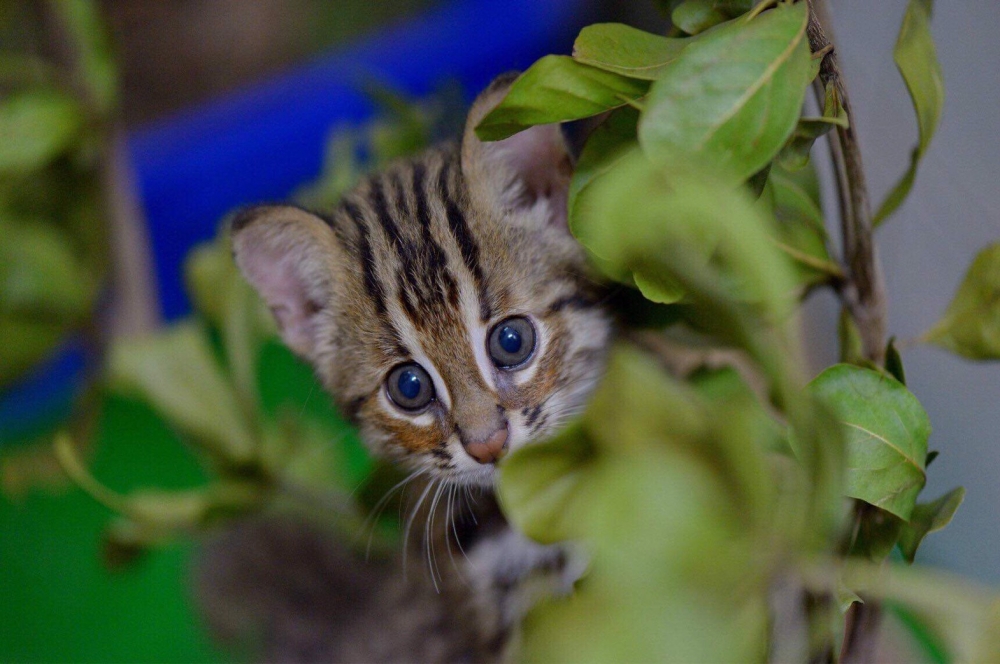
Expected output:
(863, 292)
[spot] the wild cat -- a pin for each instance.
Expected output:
(453, 318)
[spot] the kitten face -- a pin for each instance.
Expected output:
(444, 303)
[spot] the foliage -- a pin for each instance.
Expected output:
(205, 376)
(703, 500)
(54, 117)
(699, 192)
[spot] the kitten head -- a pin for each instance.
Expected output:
(444, 303)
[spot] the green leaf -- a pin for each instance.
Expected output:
(37, 126)
(887, 431)
(92, 48)
(557, 89)
(964, 617)
(733, 96)
(877, 533)
(971, 325)
(928, 518)
(916, 58)
(647, 495)
(41, 276)
(540, 482)
(795, 154)
(894, 362)
(625, 50)
(801, 231)
(608, 143)
(849, 339)
(177, 373)
(230, 303)
(694, 16)
(25, 343)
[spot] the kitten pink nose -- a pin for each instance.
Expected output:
(492, 448)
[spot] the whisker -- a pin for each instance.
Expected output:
(428, 532)
(452, 496)
(409, 523)
(376, 511)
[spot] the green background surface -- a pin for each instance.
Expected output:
(58, 600)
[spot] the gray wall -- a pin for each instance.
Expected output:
(954, 210)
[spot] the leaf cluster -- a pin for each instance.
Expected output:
(695, 494)
(54, 118)
(211, 377)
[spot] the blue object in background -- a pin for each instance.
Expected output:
(261, 143)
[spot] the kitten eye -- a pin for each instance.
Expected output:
(512, 342)
(409, 387)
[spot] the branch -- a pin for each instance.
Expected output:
(863, 293)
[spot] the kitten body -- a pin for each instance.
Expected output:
(452, 317)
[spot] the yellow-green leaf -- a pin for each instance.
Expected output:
(928, 518)
(36, 127)
(625, 50)
(178, 374)
(971, 325)
(557, 88)
(916, 58)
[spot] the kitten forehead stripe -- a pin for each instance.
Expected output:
(373, 286)
(463, 237)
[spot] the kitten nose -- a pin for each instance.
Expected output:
(491, 449)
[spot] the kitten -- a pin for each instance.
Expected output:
(453, 319)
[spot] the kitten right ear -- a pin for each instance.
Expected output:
(289, 256)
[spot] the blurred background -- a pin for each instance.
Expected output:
(133, 127)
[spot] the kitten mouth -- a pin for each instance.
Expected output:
(484, 477)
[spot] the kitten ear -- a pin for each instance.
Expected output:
(532, 167)
(289, 256)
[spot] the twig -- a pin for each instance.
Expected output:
(863, 292)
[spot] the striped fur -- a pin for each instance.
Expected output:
(418, 263)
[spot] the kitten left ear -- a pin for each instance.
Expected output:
(532, 167)
(290, 257)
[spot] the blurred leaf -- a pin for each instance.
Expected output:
(557, 89)
(177, 373)
(230, 303)
(801, 232)
(92, 51)
(933, 454)
(696, 16)
(648, 495)
(849, 339)
(676, 212)
(971, 325)
(25, 343)
(608, 143)
(928, 518)
(539, 483)
(37, 126)
(795, 154)
(733, 96)
(341, 170)
(625, 50)
(894, 362)
(41, 277)
(887, 431)
(916, 58)
(965, 618)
